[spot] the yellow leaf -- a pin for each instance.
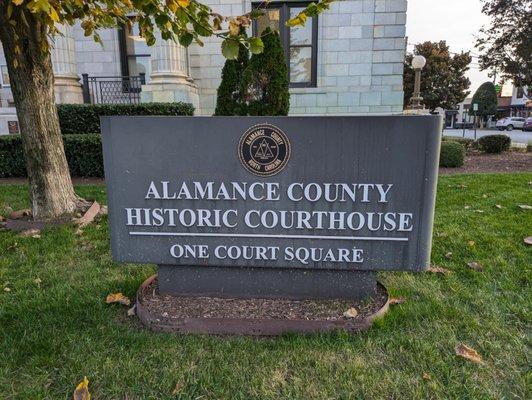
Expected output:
(54, 15)
(17, 2)
(82, 390)
(117, 298)
(183, 3)
(172, 5)
(468, 353)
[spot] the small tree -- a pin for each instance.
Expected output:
(265, 80)
(229, 100)
(505, 45)
(486, 98)
(443, 80)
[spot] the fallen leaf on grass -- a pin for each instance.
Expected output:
(82, 390)
(426, 377)
(117, 298)
(37, 281)
(478, 211)
(438, 270)
(132, 311)
(468, 353)
(475, 266)
(79, 232)
(177, 389)
(20, 214)
(449, 254)
(484, 196)
(471, 243)
(467, 207)
(6, 289)
(524, 206)
(89, 215)
(528, 240)
(396, 300)
(498, 206)
(351, 313)
(33, 232)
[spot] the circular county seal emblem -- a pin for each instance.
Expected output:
(264, 150)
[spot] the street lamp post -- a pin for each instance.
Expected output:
(418, 62)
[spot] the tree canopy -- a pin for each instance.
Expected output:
(486, 98)
(506, 43)
(182, 20)
(443, 80)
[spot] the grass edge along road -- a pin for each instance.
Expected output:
(55, 327)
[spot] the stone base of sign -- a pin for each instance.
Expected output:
(155, 312)
(248, 282)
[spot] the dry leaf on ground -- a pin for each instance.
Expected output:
(6, 289)
(438, 270)
(475, 266)
(177, 389)
(20, 214)
(468, 353)
(30, 232)
(449, 254)
(396, 300)
(89, 215)
(426, 377)
(117, 298)
(528, 240)
(498, 206)
(471, 243)
(132, 311)
(351, 313)
(525, 207)
(82, 390)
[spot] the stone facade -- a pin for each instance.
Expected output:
(360, 52)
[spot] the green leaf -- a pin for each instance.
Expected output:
(255, 45)
(256, 13)
(230, 49)
(185, 39)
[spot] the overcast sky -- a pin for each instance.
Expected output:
(455, 21)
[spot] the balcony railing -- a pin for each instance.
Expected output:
(112, 89)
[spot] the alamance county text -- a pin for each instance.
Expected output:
(262, 217)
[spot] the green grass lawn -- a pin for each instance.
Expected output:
(55, 327)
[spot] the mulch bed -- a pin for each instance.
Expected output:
(168, 308)
(476, 162)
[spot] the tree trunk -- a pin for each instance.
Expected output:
(32, 83)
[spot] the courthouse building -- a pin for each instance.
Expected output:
(348, 60)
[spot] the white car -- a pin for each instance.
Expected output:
(510, 123)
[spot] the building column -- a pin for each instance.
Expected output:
(169, 80)
(66, 86)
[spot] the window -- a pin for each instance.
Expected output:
(299, 43)
(4, 76)
(134, 52)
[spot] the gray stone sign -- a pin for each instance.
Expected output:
(298, 207)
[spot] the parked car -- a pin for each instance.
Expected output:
(527, 126)
(510, 123)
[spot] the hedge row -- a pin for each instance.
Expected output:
(83, 152)
(85, 118)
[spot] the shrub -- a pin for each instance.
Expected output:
(494, 143)
(85, 118)
(452, 154)
(468, 143)
(83, 152)
(265, 79)
(229, 98)
(12, 162)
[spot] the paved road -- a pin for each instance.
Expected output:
(517, 136)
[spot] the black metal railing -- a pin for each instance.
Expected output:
(112, 89)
